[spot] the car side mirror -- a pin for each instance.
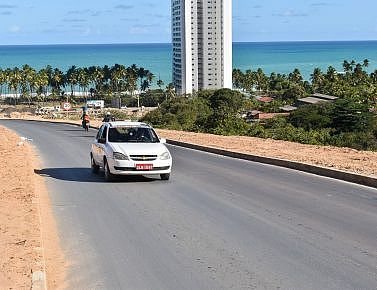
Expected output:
(102, 140)
(163, 140)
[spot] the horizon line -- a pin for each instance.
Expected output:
(141, 43)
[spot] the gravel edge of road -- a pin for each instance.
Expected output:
(304, 167)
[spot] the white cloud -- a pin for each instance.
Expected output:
(14, 29)
(138, 30)
(142, 28)
(87, 31)
(291, 13)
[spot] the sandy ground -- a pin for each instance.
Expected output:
(29, 240)
(346, 159)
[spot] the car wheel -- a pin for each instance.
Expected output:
(108, 175)
(93, 165)
(165, 176)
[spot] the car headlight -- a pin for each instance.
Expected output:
(165, 156)
(119, 156)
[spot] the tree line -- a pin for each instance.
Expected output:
(353, 82)
(31, 83)
(350, 121)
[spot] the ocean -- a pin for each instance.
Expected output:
(279, 57)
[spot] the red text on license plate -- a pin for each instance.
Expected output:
(144, 166)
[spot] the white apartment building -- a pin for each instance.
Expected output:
(202, 44)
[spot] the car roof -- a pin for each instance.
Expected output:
(127, 124)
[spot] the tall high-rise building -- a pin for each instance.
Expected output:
(202, 44)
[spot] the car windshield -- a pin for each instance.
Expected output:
(132, 134)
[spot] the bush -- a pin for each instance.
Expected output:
(311, 117)
(356, 140)
(344, 123)
(351, 116)
(231, 126)
(181, 114)
(257, 130)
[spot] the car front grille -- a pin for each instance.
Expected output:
(143, 157)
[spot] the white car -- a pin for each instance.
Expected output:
(130, 148)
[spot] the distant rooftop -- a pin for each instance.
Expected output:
(325, 97)
(265, 116)
(311, 100)
(265, 99)
(288, 108)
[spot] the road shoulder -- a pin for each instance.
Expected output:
(29, 244)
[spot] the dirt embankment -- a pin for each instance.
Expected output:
(28, 235)
(346, 159)
(351, 160)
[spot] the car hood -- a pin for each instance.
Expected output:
(139, 148)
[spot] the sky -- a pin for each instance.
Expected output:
(148, 21)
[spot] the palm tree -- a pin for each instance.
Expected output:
(149, 77)
(106, 74)
(14, 82)
(141, 74)
(41, 83)
(49, 72)
(347, 66)
(144, 84)
(131, 79)
(118, 75)
(28, 74)
(261, 80)
(134, 69)
(72, 77)
(160, 82)
(295, 77)
(317, 79)
(170, 91)
(248, 81)
(33, 84)
(3, 80)
(331, 74)
(83, 81)
(57, 81)
(96, 77)
(373, 76)
(238, 77)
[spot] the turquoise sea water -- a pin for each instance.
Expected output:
(280, 57)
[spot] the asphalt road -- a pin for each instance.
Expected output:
(219, 223)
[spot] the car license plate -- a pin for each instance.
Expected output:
(144, 167)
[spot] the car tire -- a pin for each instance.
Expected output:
(93, 165)
(165, 176)
(108, 175)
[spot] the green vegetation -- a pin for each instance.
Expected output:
(354, 83)
(349, 121)
(95, 81)
(210, 111)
